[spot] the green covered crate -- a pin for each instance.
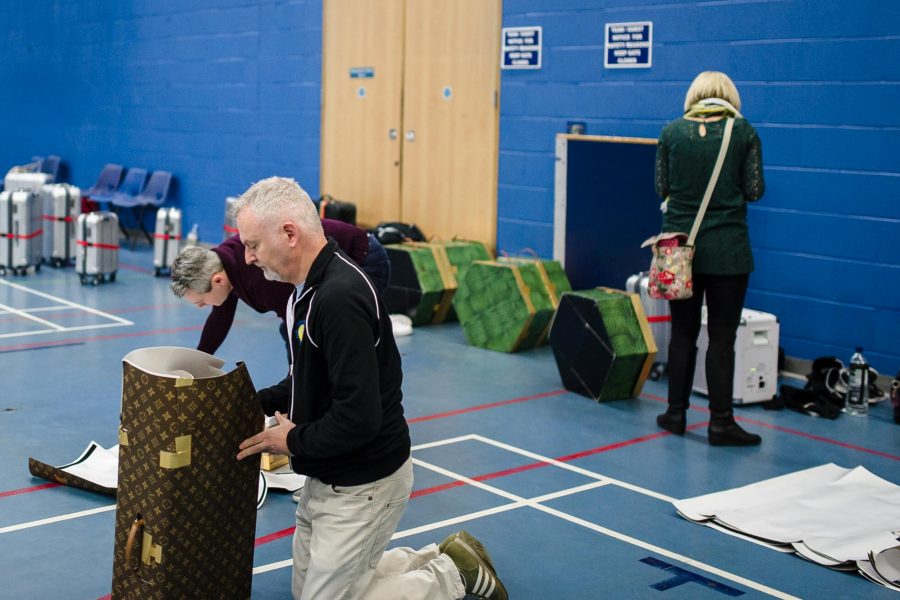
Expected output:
(602, 343)
(422, 283)
(552, 273)
(503, 306)
(461, 254)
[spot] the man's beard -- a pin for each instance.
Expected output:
(270, 274)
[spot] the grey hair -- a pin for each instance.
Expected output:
(712, 84)
(280, 198)
(193, 270)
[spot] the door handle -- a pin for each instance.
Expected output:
(392, 133)
(410, 136)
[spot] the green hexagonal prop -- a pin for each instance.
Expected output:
(503, 306)
(422, 283)
(602, 343)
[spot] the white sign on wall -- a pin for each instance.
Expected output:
(521, 47)
(628, 45)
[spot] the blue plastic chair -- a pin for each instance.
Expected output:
(154, 194)
(131, 186)
(106, 183)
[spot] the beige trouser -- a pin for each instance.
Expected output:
(340, 540)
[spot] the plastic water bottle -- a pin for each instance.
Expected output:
(858, 392)
(192, 238)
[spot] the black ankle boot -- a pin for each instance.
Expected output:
(673, 420)
(723, 431)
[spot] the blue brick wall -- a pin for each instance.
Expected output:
(821, 83)
(225, 92)
(219, 92)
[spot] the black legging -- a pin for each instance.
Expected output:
(724, 301)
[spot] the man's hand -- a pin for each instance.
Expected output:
(272, 440)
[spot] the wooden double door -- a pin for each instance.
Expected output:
(410, 112)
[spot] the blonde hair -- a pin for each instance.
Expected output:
(712, 84)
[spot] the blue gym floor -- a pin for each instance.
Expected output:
(571, 497)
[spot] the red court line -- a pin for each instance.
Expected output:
(504, 473)
(818, 438)
(35, 488)
(416, 420)
(75, 312)
(135, 268)
(97, 338)
(797, 432)
(277, 535)
(460, 411)
(539, 464)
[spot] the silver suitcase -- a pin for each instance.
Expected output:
(658, 316)
(97, 247)
(62, 205)
(19, 180)
(166, 239)
(230, 227)
(20, 231)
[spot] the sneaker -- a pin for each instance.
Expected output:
(472, 543)
(479, 580)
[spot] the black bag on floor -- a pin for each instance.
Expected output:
(397, 233)
(337, 210)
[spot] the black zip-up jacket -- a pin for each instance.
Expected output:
(345, 378)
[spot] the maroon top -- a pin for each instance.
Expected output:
(260, 294)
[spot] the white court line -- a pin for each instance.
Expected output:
(49, 520)
(67, 302)
(41, 309)
(54, 328)
(455, 520)
(517, 502)
(573, 468)
(462, 438)
(25, 315)
(611, 533)
(63, 330)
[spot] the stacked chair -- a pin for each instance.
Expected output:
(150, 197)
(134, 192)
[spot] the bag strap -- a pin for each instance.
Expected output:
(726, 138)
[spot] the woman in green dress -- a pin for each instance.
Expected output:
(687, 151)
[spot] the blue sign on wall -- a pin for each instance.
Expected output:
(628, 45)
(521, 48)
(362, 72)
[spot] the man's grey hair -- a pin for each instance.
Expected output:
(276, 199)
(193, 270)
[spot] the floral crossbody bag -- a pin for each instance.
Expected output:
(673, 252)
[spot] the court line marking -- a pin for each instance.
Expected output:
(85, 513)
(41, 309)
(797, 432)
(535, 503)
(573, 468)
(97, 338)
(456, 520)
(612, 533)
(24, 315)
(54, 328)
(57, 519)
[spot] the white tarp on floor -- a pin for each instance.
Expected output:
(841, 518)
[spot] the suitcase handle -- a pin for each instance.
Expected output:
(137, 524)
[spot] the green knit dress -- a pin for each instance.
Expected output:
(684, 163)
